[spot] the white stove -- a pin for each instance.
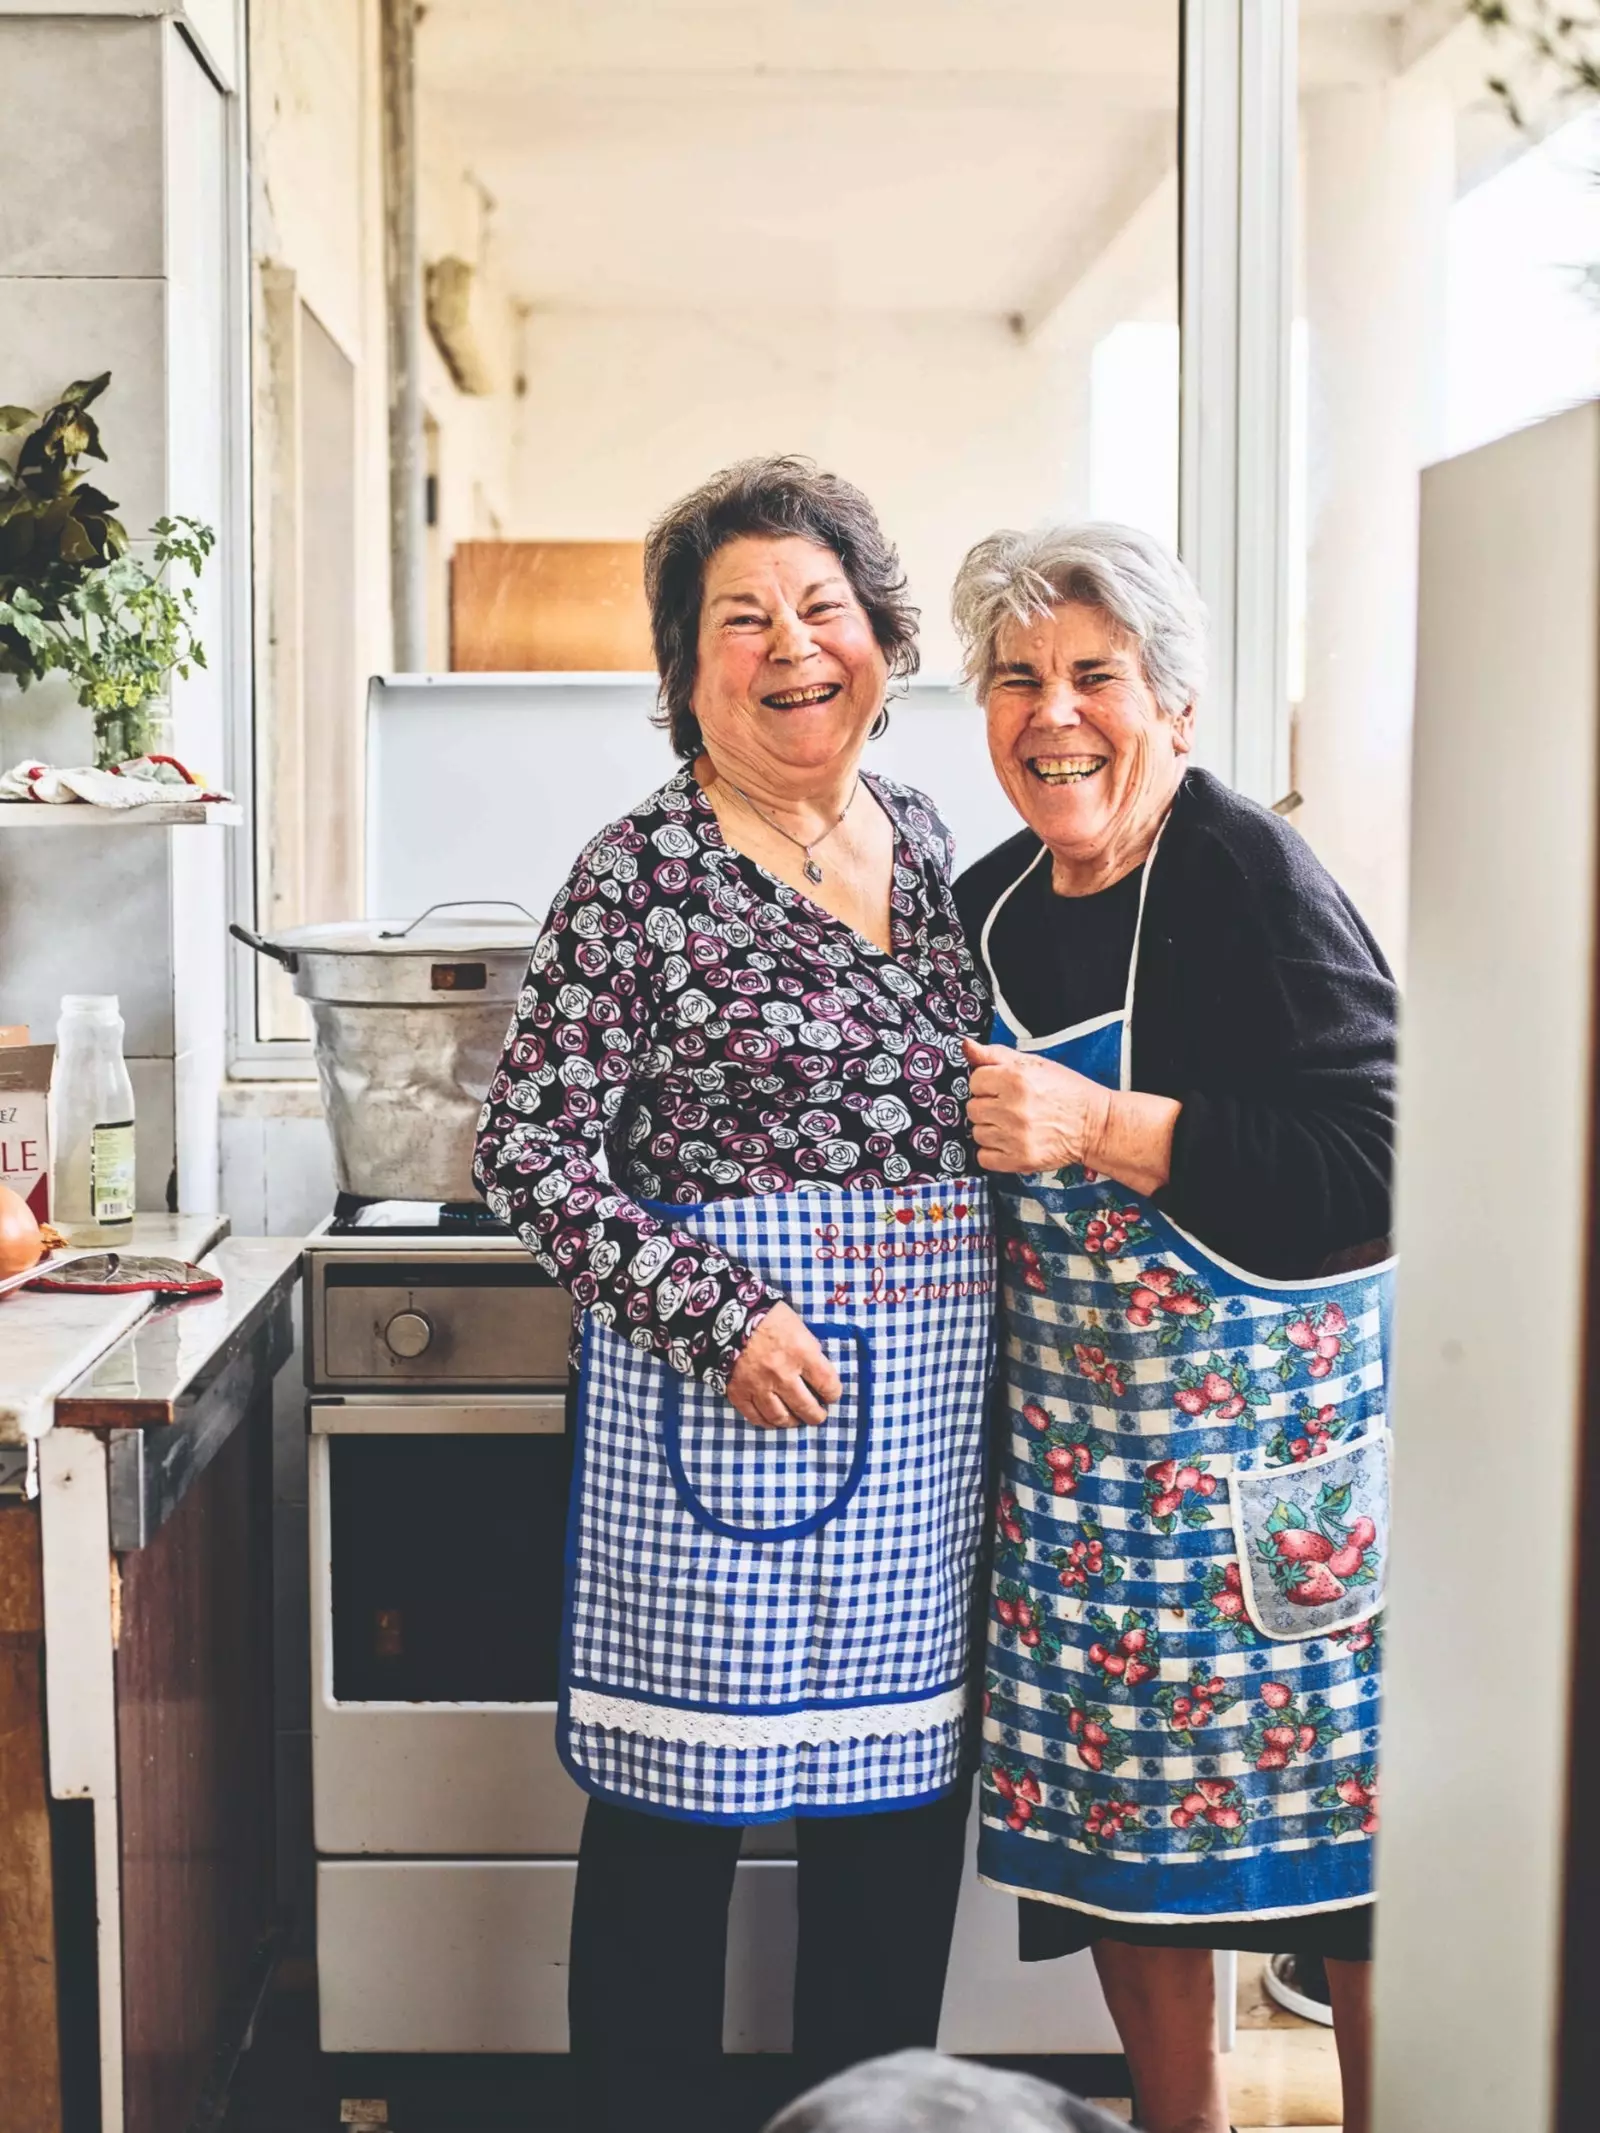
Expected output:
(446, 1828)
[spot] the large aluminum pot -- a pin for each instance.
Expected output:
(408, 1022)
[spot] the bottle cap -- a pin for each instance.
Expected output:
(102, 1005)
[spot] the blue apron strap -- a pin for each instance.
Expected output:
(671, 1444)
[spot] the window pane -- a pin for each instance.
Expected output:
(1438, 305)
(935, 248)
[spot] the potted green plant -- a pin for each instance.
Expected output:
(73, 601)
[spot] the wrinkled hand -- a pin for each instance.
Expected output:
(1027, 1113)
(783, 1376)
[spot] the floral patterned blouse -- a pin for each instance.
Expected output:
(713, 1033)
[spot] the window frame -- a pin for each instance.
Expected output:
(1239, 121)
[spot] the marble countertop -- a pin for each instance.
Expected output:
(49, 1339)
(146, 1380)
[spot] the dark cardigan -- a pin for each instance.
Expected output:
(1261, 1003)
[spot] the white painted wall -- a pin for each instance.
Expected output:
(318, 210)
(113, 245)
(1495, 1126)
(953, 424)
(1379, 165)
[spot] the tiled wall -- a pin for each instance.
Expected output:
(112, 257)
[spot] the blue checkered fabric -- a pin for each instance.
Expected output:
(1184, 1665)
(717, 1672)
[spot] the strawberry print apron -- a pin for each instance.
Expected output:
(1183, 1674)
(768, 1622)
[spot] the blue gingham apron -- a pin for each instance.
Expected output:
(1182, 1687)
(771, 1622)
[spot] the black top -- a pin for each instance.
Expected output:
(1261, 1003)
(1062, 959)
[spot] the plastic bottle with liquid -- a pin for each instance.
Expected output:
(91, 1115)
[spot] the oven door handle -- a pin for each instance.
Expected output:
(532, 1414)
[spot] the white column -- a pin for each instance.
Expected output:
(1379, 181)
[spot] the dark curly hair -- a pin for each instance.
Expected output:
(780, 497)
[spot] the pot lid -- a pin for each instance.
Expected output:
(442, 935)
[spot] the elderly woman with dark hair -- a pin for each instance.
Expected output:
(1188, 1105)
(751, 997)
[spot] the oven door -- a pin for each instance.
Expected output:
(437, 1544)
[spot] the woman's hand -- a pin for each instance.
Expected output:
(1028, 1113)
(783, 1376)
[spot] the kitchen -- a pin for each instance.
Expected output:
(428, 361)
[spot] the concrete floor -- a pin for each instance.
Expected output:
(1283, 2074)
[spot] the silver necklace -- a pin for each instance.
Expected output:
(811, 869)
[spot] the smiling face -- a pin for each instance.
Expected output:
(789, 676)
(1085, 753)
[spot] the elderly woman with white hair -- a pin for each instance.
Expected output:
(1188, 1105)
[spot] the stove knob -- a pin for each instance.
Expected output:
(408, 1333)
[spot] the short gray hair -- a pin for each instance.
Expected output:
(921, 2092)
(1128, 574)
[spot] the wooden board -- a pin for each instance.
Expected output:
(30, 2073)
(528, 607)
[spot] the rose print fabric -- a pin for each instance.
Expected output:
(691, 1030)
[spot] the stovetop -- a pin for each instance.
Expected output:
(413, 1225)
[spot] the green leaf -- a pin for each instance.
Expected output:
(16, 418)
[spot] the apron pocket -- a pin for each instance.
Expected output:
(1313, 1540)
(750, 1484)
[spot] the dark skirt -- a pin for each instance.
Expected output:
(1046, 1930)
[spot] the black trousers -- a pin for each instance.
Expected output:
(877, 1903)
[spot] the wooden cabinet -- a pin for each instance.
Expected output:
(528, 607)
(136, 1823)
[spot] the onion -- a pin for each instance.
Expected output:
(21, 1245)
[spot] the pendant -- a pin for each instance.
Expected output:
(812, 871)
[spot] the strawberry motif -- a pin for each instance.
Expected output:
(1167, 1298)
(1127, 1652)
(1314, 1340)
(1103, 1821)
(1220, 1392)
(1307, 1436)
(1314, 1558)
(1284, 1730)
(1108, 1229)
(1191, 1710)
(1362, 1643)
(1086, 1559)
(1351, 1798)
(1171, 1491)
(1018, 1790)
(1010, 1535)
(1215, 1809)
(1099, 1744)
(1063, 1451)
(1099, 1369)
(1221, 1604)
(1025, 1620)
(1318, 1587)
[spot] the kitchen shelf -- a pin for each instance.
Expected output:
(152, 814)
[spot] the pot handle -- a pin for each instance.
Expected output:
(285, 956)
(453, 903)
